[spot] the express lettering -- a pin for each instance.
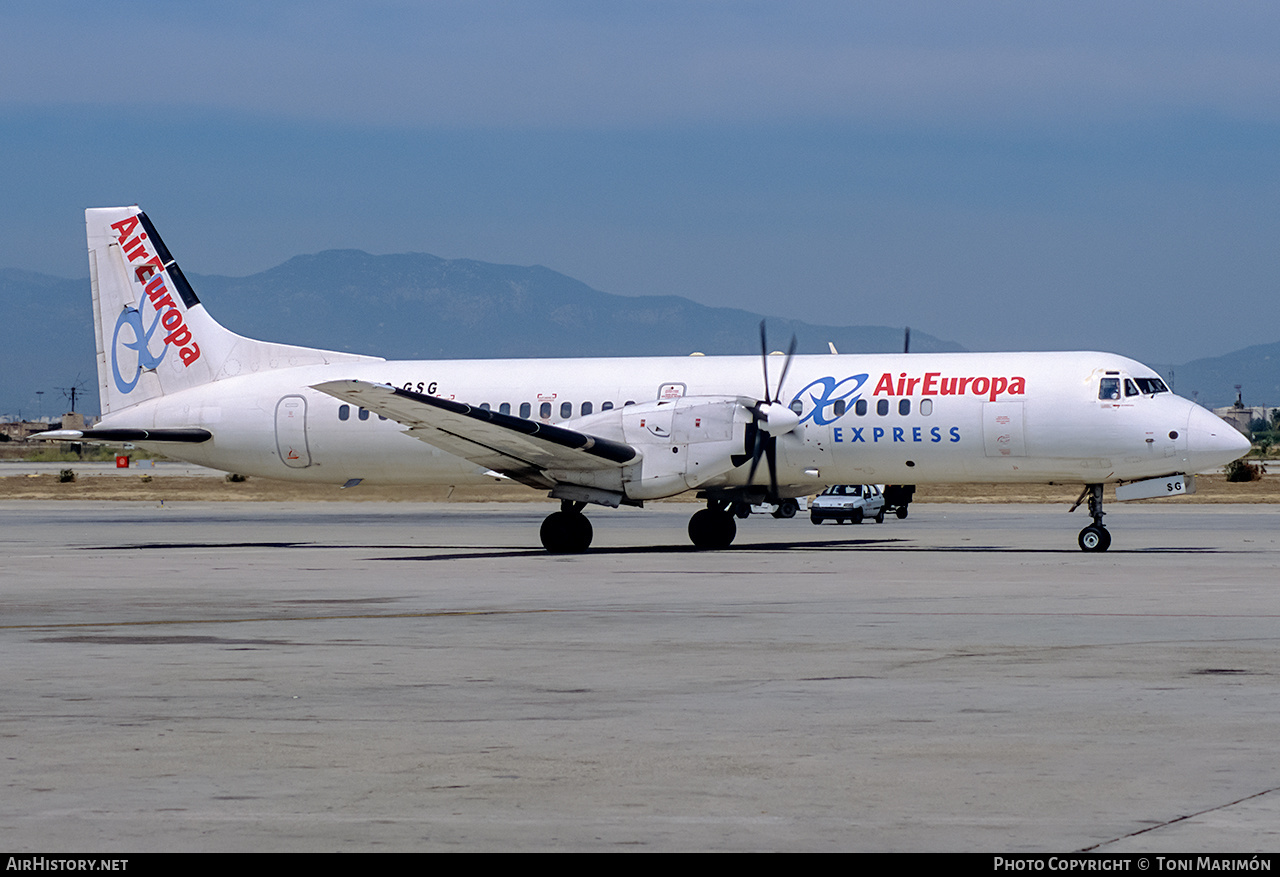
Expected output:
(934, 384)
(857, 434)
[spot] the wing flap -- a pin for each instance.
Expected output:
(521, 449)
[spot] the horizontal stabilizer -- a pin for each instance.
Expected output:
(189, 436)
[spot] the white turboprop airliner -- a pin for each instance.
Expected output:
(614, 431)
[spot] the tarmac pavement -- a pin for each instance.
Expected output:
(308, 677)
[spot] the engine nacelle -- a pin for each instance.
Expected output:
(684, 443)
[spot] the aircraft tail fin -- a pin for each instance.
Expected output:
(154, 336)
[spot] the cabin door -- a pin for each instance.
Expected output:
(291, 432)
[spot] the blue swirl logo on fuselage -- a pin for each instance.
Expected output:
(828, 392)
(132, 318)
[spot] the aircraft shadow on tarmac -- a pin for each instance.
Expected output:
(774, 547)
(478, 552)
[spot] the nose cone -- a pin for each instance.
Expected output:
(1211, 441)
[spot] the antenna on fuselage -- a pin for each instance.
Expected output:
(906, 341)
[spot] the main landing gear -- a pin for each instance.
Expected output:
(1095, 537)
(567, 531)
(713, 527)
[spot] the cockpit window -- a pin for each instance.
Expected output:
(1151, 386)
(1130, 388)
(1109, 389)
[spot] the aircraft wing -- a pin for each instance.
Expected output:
(520, 449)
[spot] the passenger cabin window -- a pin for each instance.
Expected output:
(839, 407)
(344, 412)
(484, 406)
(904, 407)
(504, 408)
(525, 410)
(606, 406)
(566, 410)
(860, 407)
(364, 413)
(1109, 389)
(882, 407)
(797, 406)
(926, 407)
(544, 410)
(586, 408)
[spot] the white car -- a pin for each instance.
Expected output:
(849, 503)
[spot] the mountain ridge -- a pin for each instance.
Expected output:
(421, 306)
(523, 311)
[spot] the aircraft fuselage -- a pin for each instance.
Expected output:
(1028, 417)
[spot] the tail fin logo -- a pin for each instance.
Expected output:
(145, 359)
(150, 272)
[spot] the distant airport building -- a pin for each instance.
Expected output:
(1240, 415)
(19, 430)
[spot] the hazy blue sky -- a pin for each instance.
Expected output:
(1007, 175)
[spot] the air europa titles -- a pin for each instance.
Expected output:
(150, 273)
(832, 398)
(833, 401)
(934, 384)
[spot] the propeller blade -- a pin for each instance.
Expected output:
(757, 451)
(768, 412)
(771, 456)
(764, 361)
(786, 364)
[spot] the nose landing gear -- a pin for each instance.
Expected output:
(1095, 537)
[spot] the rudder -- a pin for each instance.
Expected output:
(148, 342)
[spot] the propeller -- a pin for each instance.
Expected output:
(772, 418)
